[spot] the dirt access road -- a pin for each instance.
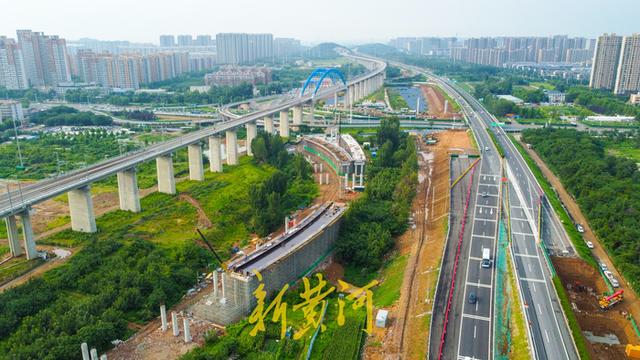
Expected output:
(436, 103)
(407, 332)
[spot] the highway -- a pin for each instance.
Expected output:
(548, 330)
(16, 202)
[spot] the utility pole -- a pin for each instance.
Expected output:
(15, 131)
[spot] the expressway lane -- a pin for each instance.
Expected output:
(548, 330)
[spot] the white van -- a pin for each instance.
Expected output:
(486, 258)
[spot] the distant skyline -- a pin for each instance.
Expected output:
(344, 21)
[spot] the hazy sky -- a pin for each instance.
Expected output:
(344, 21)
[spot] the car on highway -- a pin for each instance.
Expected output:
(484, 194)
(486, 148)
(603, 267)
(472, 298)
(590, 245)
(486, 258)
(580, 228)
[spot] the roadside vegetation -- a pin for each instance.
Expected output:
(396, 100)
(607, 189)
(382, 212)
(68, 116)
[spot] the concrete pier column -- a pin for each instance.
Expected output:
(252, 131)
(12, 234)
(284, 123)
(84, 348)
(326, 178)
(312, 114)
(215, 284)
(27, 234)
(94, 354)
(83, 218)
(232, 147)
(297, 115)
(164, 171)
(187, 330)
(215, 156)
(196, 169)
(128, 190)
(223, 278)
(163, 317)
(174, 323)
(335, 100)
(268, 125)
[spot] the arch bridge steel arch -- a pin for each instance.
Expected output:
(318, 76)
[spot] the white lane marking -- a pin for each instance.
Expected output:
(539, 309)
(532, 280)
(533, 285)
(483, 236)
(529, 265)
(476, 306)
(476, 317)
(478, 284)
(475, 258)
(519, 219)
(526, 255)
(474, 331)
(547, 335)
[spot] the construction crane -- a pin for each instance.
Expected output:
(606, 302)
(224, 267)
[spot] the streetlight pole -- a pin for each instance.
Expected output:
(15, 130)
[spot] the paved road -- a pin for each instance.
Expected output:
(547, 328)
(13, 203)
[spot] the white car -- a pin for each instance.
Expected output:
(603, 267)
(580, 228)
(590, 245)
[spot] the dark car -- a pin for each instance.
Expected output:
(472, 298)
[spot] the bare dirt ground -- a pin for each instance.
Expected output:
(632, 303)
(435, 103)
(407, 332)
(584, 284)
(151, 343)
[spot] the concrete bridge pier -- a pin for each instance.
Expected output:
(252, 131)
(284, 123)
(83, 218)
(232, 147)
(196, 169)
(12, 234)
(335, 100)
(268, 125)
(215, 156)
(128, 192)
(166, 178)
(27, 234)
(297, 115)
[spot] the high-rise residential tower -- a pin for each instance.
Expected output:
(628, 74)
(167, 41)
(605, 62)
(45, 58)
(235, 48)
(12, 72)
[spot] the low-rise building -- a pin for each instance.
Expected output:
(556, 97)
(634, 99)
(11, 109)
(236, 75)
(511, 98)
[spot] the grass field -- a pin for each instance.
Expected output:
(16, 267)
(388, 292)
(542, 85)
(625, 149)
